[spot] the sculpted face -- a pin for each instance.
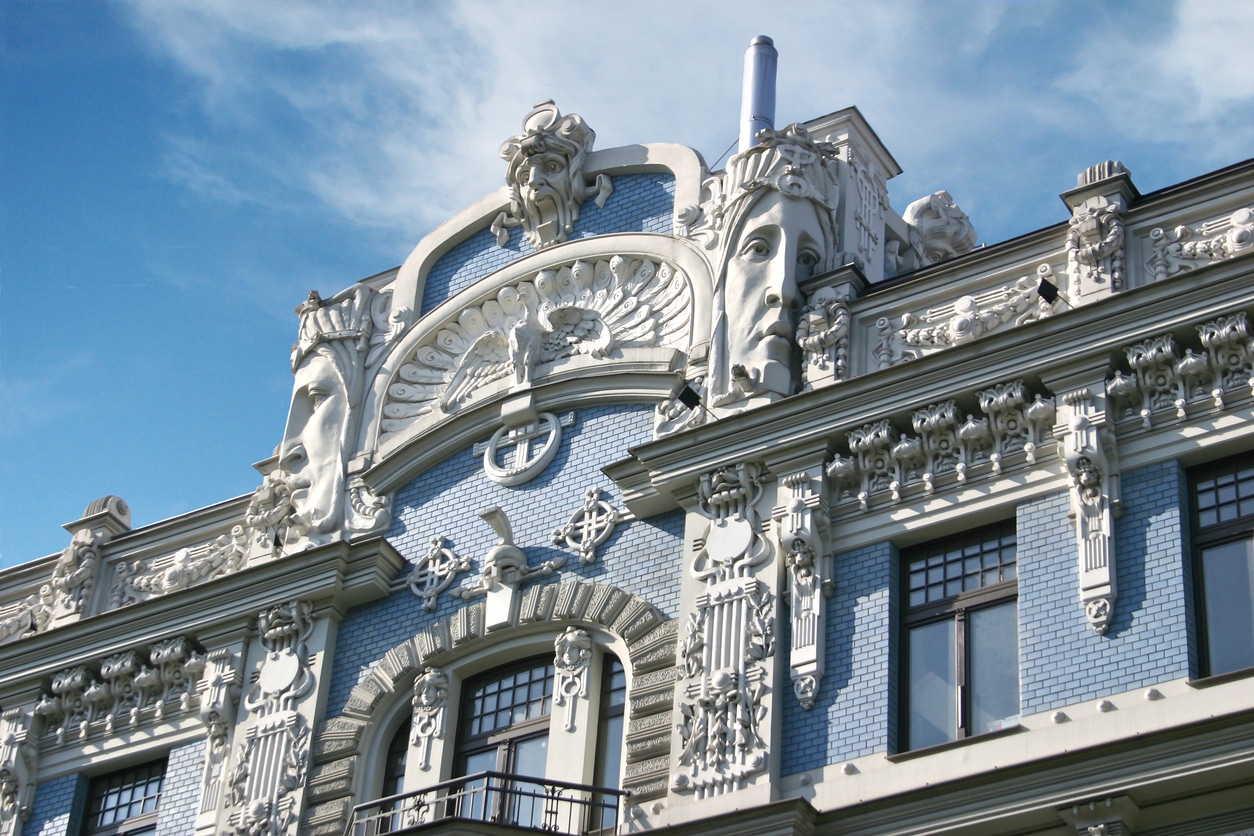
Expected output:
(781, 243)
(543, 176)
(312, 446)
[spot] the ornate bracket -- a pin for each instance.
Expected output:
(572, 655)
(590, 526)
(809, 581)
(1089, 451)
(435, 572)
(429, 703)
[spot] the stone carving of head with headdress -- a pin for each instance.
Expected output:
(544, 172)
(773, 213)
(328, 363)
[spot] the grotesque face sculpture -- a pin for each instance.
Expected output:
(544, 173)
(312, 447)
(781, 243)
(776, 211)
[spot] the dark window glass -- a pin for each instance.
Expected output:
(1223, 511)
(961, 636)
(126, 801)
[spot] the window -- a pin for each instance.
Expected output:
(1223, 549)
(961, 637)
(126, 801)
(504, 727)
(609, 740)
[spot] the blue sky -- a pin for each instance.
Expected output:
(178, 174)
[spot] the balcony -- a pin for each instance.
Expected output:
(510, 802)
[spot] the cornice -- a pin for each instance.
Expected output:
(1094, 333)
(336, 576)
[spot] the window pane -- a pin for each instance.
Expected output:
(1228, 589)
(933, 684)
(993, 667)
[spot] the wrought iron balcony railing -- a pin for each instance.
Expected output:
(499, 798)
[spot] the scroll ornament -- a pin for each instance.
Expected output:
(967, 318)
(1188, 248)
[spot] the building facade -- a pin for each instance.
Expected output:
(651, 498)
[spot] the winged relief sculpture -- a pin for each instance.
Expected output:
(593, 307)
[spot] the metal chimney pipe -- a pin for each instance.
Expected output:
(757, 96)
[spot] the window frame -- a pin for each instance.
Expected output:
(958, 609)
(138, 824)
(1220, 533)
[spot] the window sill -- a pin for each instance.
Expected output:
(954, 744)
(1221, 678)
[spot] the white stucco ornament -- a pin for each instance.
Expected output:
(595, 307)
(544, 172)
(771, 222)
(589, 527)
(941, 230)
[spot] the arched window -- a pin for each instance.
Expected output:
(394, 766)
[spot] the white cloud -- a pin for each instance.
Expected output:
(391, 113)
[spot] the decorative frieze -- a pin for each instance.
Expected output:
(728, 638)
(121, 692)
(945, 448)
(435, 571)
(589, 526)
(1187, 248)
(429, 704)
(544, 173)
(592, 307)
(967, 318)
(1163, 378)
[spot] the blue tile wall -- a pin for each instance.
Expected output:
(853, 714)
(639, 203)
(1062, 661)
(58, 807)
(643, 556)
(180, 792)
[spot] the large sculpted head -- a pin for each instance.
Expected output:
(544, 172)
(776, 214)
(944, 230)
(327, 363)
